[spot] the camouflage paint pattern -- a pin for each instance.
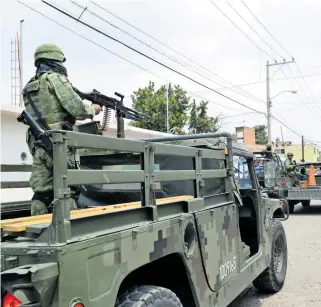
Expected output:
(93, 267)
(56, 100)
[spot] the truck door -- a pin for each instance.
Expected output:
(219, 236)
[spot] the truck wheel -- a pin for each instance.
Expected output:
(148, 296)
(306, 203)
(272, 279)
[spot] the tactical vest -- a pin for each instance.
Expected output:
(43, 96)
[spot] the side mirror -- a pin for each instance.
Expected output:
(269, 174)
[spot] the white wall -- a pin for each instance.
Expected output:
(13, 143)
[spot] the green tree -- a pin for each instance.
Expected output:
(261, 137)
(193, 124)
(200, 122)
(152, 102)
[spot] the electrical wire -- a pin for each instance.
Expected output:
(308, 103)
(266, 29)
(286, 126)
(117, 55)
(232, 7)
(249, 39)
(264, 81)
(147, 56)
(253, 42)
(286, 52)
(170, 48)
(305, 81)
(74, 32)
(242, 114)
(161, 53)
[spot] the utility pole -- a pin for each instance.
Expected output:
(167, 115)
(268, 99)
(283, 145)
(302, 149)
(268, 102)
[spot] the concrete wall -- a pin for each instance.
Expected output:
(13, 144)
(245, 135)
(311, 152)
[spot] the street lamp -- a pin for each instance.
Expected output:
(292, 92)
(269, 105)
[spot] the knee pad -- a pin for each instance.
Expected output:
(45, 197)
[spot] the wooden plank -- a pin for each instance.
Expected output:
(20, 224)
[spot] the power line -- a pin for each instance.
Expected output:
(264, 81)
(283, 49)
(286, 126)
(159, 52)
(306, 97)
(242, 114)
(305, 81)
(147, 56)
(266, 29)
(172, 49)
(254, 30)
(93, 42)
(253, 42)
(117, 55)
(65, 27)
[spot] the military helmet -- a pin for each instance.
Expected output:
(50, 52)
(289, 154)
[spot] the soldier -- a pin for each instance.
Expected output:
(290, 166)
(302, 176)
(52, 101)
(268, 151)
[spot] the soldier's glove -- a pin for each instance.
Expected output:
(97, 108)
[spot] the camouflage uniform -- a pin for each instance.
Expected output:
(58, 103)
(268, 152)
(290, 168)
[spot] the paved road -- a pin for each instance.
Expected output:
(303, 282)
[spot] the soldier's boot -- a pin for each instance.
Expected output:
(38, 207)
(72, 205)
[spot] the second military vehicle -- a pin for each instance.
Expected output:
(274, 181)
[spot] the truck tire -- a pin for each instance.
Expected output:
(272, 279)
(148, 296)
(291, 206)
(306, 203)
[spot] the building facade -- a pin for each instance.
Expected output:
(246, 135)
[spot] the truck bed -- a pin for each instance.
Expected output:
(20, 224)
(298, 193)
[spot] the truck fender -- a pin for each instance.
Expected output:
(280, 209)
(30, 282)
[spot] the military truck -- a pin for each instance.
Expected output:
(168, 227)
(275, 183)
(304, 195)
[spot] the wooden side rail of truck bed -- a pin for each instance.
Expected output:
(20, 224)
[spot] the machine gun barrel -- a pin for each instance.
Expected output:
(110, 102)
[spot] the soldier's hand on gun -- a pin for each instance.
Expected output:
(96, 107)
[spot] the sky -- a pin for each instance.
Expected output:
(213, 48)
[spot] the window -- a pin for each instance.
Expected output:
(241, 172)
